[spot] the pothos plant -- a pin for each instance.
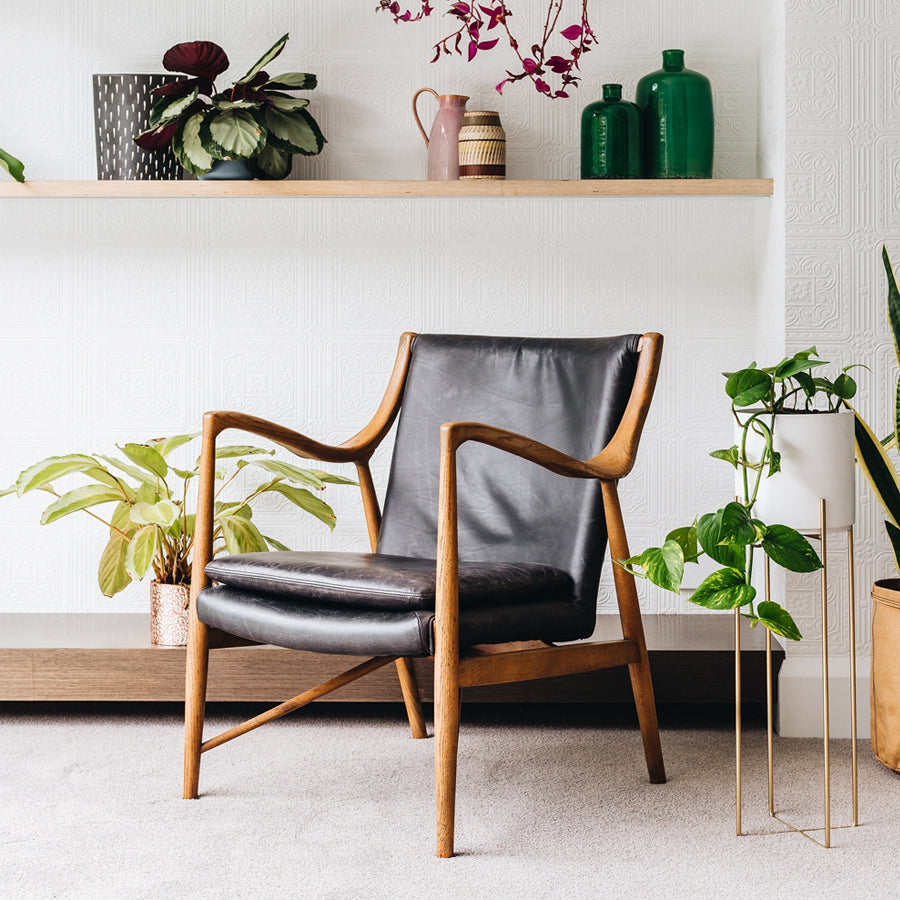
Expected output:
(150, 526)
(474, 32)
(254, 120)
(14, 166)
(730, 536)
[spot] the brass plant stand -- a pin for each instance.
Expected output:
(821, 536)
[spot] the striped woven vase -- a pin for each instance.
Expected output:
(482, 146)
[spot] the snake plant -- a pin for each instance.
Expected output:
(872, 453)
(14, 166)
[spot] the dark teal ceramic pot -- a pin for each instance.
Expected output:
(230, 170)
(677, 120)
(611, 137)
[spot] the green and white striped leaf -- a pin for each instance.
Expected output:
(81, 498)
(286, 103)
(141, 550)
(138, 474)
(328, 478)
(164, 446)
(266, 58)
(241, 535)
(121, 520)
(294, 81)
(893, 310)
(112, 576)
(285, 470)
(307, 502)
(233, 134)
(274, 544)
(99, 473)
(168, 107)
(47, 470)
(147, 458)
(189, 150)
(294, 132)
(163, 513)
(233, 451)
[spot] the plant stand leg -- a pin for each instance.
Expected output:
(737, 721)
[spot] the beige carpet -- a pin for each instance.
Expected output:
(336, 802)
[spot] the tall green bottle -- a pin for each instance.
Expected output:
(677, 120)
(611, 137)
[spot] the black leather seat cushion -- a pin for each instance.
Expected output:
(375, 604)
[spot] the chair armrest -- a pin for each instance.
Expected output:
(217, 421)
(454, 434)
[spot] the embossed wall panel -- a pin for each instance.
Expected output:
(127, 319)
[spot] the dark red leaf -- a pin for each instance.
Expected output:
(203, 58)
(183, 87)
(528, 64)
(572, 33)
(488, 45)
(542, 85)
(473, 49)
(159, 138)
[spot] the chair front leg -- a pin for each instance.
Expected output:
(446, 662)
(198, 634)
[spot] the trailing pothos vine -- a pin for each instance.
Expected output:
(730, 536)
(476, 30)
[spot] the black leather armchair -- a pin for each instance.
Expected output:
(490, 547)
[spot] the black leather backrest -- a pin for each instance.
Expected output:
(567, 393)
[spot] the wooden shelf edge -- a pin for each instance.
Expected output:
(677, 187)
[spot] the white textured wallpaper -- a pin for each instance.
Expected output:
(126, 319)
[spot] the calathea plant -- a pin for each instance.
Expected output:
(730, 536)
(14, 166)
(254, 120)
(150, 526)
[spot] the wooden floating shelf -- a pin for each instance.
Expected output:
(676, 187)
(47, 656)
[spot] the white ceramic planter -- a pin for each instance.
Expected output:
(817, 460)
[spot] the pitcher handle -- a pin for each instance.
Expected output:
(416, 112)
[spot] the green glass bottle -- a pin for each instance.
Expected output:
(677, 120)
(611, 137)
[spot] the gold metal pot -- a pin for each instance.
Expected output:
(169, 614)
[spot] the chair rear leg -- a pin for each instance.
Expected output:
(645, 704)
(195, 704)
(410, 689)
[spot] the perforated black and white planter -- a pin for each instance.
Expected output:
(121, 111)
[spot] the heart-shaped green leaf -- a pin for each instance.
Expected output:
(163, 513)
(723, 589)
(14, 166)
(710, 533)
(686, 538)
(271, 164)
(664, 566)
(790, 550)
(748, 386)
(778, 620)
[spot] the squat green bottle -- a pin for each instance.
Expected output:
(677, 120)
(611, 137)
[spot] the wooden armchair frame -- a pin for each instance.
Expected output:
(496, 664)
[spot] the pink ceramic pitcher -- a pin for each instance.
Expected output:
(443, 143)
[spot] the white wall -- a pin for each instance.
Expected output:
(124, 320)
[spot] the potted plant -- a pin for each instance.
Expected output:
(150, 526)
(881, 474)
(14, 166)
(761, 399)
(255, 124)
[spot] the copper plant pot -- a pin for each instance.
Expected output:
(169, 614)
